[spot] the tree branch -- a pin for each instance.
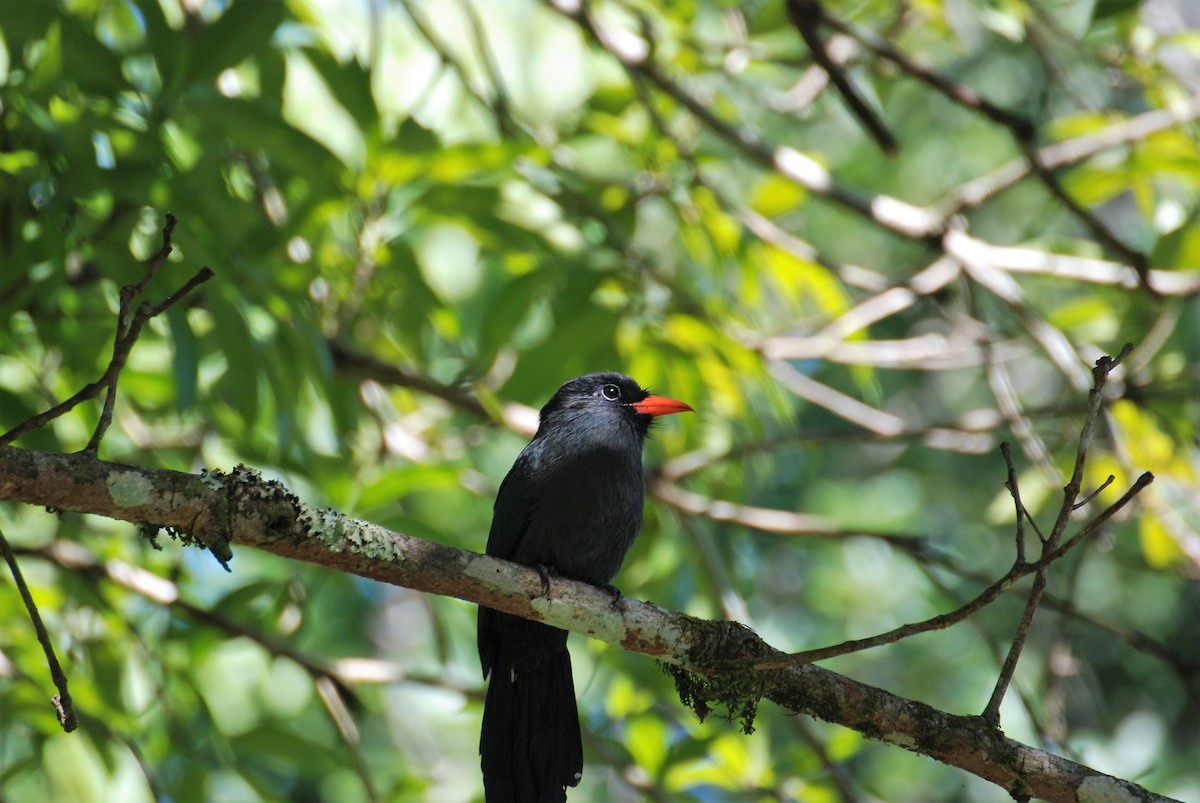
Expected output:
(242, 508)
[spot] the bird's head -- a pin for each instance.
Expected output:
(608, 402)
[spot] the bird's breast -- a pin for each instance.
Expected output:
(587, 514)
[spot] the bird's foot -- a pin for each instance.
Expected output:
(545, 572)
(615, 593)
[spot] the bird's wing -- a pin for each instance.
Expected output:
(510, 515)
(510, 521)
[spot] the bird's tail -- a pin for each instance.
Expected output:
(530, 749)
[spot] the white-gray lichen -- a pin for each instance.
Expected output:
(129, 489)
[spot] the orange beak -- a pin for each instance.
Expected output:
(660, 405)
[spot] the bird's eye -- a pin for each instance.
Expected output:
(611, 392)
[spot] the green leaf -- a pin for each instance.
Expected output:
(243, 30)
(185, 365)
(350, 84)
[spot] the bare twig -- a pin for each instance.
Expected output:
(733, 605)
(1083, 502)
(517, 417)
(806, 16)
(960, 93)
(991, 712)
(636, 56)
(1104, 366)
(1021, 128)
(942, 621)
(1140, 484)
(1015, 491)
(1012, 259)
(1131, 256)
(159, 260)
(125, 328)
(500, 106)
(990, 642)
(505, 124)
(1051, 551)
(836, 402)
(62, 701)
(1068, 152)
(129, 328)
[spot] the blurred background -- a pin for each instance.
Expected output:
(425, 216)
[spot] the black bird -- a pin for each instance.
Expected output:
(571, 505)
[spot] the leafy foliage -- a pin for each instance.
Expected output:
(496, 197)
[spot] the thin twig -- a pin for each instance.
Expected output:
(960, 93)
(989, 642)
(129, 327)
(160, 259)
(1131, 256)
(991, 712)
(1094, 494)
(125, 333)
(1065, 153)
(768, 519)
(1104, 366)
(501, 107)
(1140, 484)
(1015, 491)
(505, 124)
(1021, 128)
(945, 620)
(806, 16)
(124, 346)
(891, 213)
(1023, 513)
(62, 701)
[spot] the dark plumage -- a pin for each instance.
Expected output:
(571, 504)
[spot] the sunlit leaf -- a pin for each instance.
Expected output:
(1161, 549)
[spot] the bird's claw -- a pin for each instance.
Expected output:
(544, 572)
(615, 593)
